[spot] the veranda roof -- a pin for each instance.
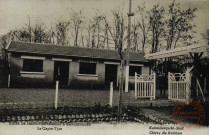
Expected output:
(178, 51)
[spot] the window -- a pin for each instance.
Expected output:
(133, 69)
(32, 65)
(87, 68)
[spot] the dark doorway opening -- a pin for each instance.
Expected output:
(63, 68)
(111, 74)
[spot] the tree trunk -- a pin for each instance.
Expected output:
(120, 90)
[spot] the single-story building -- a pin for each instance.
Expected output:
(38, 64)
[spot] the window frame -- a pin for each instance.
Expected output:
(89, 74)
(138, 66)
(33, 58)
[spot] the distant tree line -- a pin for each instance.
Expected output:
(152, 30)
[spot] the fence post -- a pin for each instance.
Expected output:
(8, 80)
(111, 94)
(154, 79)
(169, 85)
(56, 94)
(188, 80)
(135, 85)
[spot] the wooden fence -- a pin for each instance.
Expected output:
(145, 86)
(179, 86)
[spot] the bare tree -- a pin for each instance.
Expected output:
(77, 19)
(117, 29)
(179, 26)
(29, 29)
(98, 20)
(157, 28)
(61, 29)
(143, 25)
(135, 37)
(82, 39)
(88, 36)
(117, 32)
(93, 28)
(31, 33)
(12, 35)
(156, 16)
(51, 34)
(4, 42)
(98, 32)
(39, 33)
(106, 36)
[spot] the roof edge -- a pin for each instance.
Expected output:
(72, 46)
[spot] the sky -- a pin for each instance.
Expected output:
(14, 13)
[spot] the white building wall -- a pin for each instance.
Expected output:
(145, 70)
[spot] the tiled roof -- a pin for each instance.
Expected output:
(47, 49)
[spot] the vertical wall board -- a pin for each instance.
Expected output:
(48, 68)
(100, 71)
(16, 65)
(74, 70)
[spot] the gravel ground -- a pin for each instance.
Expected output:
(17, 98)
(43, 97)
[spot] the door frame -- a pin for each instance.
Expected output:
(118, 70)
(63, 60)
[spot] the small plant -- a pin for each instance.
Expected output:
(97, 108)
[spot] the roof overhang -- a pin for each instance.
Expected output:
(178, 52)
